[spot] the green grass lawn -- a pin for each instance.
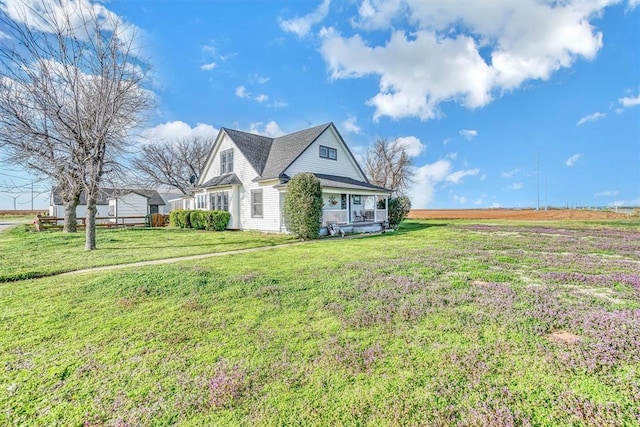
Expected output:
(440, 323)
(26, 254)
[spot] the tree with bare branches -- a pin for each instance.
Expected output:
(388, 165)
(172, 163)
(72, 88)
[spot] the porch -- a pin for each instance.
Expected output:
(354, 209)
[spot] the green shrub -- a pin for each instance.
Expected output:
(216, 220)
(197, 219)
(399, 208)
(174, 218)
(303, 206)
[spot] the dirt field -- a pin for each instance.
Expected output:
(523, 214)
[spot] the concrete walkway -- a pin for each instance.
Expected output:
(176, 259)
(202, 256)
(5, 225)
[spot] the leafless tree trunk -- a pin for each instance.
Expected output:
(71, 90)
(172, 163)
(389, 166)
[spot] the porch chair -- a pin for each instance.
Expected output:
(334, 229)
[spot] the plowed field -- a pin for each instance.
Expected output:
(515, 214)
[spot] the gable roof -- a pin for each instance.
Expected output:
(153, 197)
(227, 179)
(269, 157)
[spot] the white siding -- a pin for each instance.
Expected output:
(241, 167)
(131, 204)
(81, 211)
(270, 220)
(310, 160)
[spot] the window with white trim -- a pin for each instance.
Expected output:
(219, 201)
(328, 153)
(256, 203)
(226, 161)
(201, 201)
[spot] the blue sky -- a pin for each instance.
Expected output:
(480, 92)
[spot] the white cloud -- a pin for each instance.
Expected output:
(515, 186)
(271, 129)
(262, 97)
(177, 130)
(412, 145)
(591, 118)
(208, 67)
(439, 60)
(451, 156)
(301, 26)
(241, 92)
(573, 159)
(350, 126)
(279, 104)
(510, 174)
(456, 177)
(255, 78)
(608, 193)
(630, 101)
(447, 140)
(469, 134)
(429, 176)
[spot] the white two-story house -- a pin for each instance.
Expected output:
(247, 175)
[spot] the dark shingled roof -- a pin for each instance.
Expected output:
(255, 148)
(335, 181)
(271, 156)
(287, 148)
(105, 194)
(217, 181)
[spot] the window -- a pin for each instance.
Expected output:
(219, 201)
(226, 162)
(201, 201)
(256, 203)
(328, 153)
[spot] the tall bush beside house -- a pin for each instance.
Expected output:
(303, 206)
(174, 219)
(399, 208)
(197, 219)
(216, 220)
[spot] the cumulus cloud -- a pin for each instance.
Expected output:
(279, 104)
(456, 177)
(460, 199)
(271, 129)
(350, 125)
(178, 130)
(412, 145)
(515, 186)
(262, 97)
(591, 118)
(630, 101)
(241, 92)
(301, 26)
(428, 177)
(469, 134)
(510, 173)
(439, 59)
(208, 67)
(255, 78)
(573, 159)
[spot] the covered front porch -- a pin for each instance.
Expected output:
(356, 208)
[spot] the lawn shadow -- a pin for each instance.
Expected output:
(413, 226)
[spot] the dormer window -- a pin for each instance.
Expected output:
(328, 153)
(226, 162)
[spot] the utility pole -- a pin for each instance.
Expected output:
(31, 195)
(545, 195)
(537, 184)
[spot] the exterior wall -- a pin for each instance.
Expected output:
(131, 204)
(81, 211)
(310, 160)
(241, 167)
(270, 220)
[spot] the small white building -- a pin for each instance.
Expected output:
(247, 175)
(114, 202)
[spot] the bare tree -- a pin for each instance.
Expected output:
(389, 166)
(172, 163)
(71, 90)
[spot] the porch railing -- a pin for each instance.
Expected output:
(340, 216)
(381, 215)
